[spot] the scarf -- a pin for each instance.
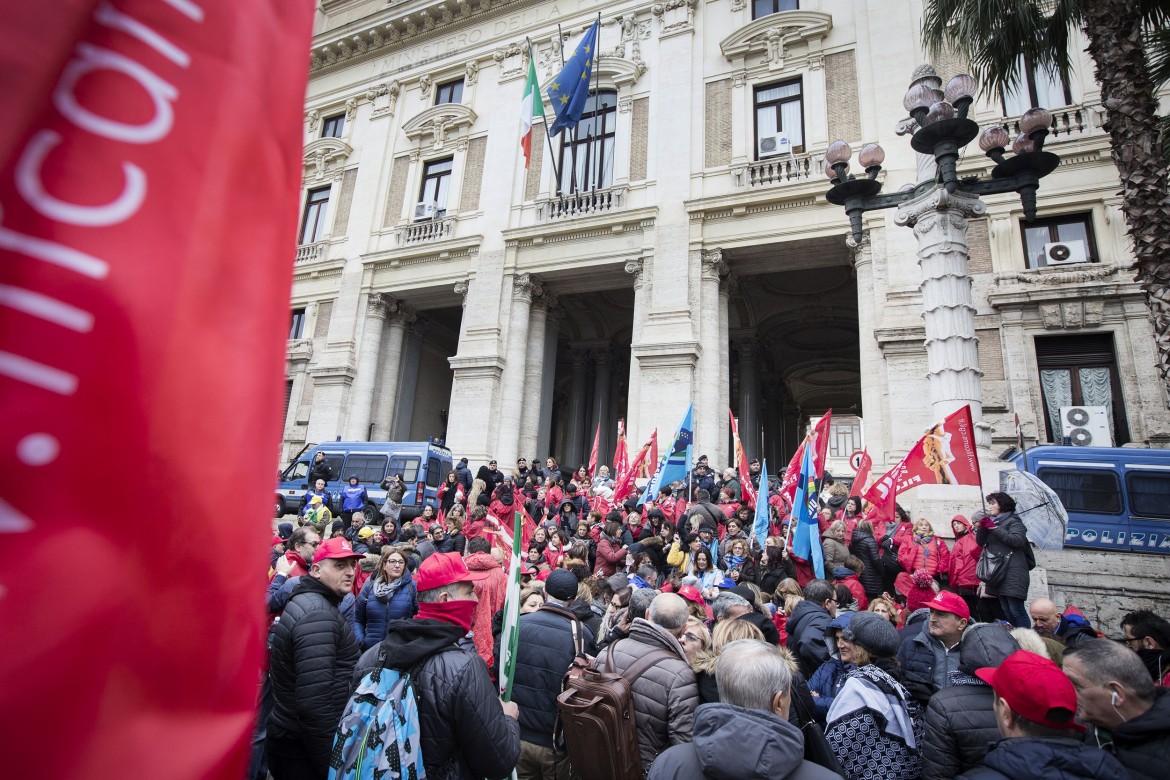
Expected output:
(456, 613)
(384, 591)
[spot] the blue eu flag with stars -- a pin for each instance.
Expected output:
(570, 89)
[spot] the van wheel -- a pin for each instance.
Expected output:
(372, 513)
(280, 507)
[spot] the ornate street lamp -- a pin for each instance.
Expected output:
(943, 130)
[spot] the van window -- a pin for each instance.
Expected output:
(406, 466)
(1149, 494)
(369, 468)
(434, 472)
(299, 471)
(1096, 492)
(335, 459)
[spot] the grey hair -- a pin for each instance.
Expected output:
(640, 602)
(668, 611)
(432, 595)
(749, 674)
(1105, 661)
(724, 602)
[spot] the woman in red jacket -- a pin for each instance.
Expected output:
(964, 558)
(924, 550)
(610, 552)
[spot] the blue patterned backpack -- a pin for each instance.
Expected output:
(378, 736)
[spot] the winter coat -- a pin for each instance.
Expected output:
(930, 554)
(463, 474)
(875, 728)
(490, 477)
(763, 746)
(545, 649)
(591, 617)
(926, 664)
(835, 552)
(320, 471)
(610, 555)
(491, 593)
(964, 558)
(463, 727)
(865, 547)
(311, 659)
(395, 491)
(326, 500)
(1008, 535)
(373, 614)
(446, 496)
(665, 696)
(806, 636)
(353, 497)
(843, 575)
(960, 721)
(1142, 743)
(1035, 758)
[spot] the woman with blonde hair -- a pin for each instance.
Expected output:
(886, 608)
(924, 550)
(696, 638)
(703, 664)
(833, 543)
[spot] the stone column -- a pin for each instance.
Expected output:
(769, 448)
(869, 353)
(572, 452)
(723, 450)
(547, 380)
(939, 220)
(749, 397)
(600, 414)
(707, 397)
(532, 413)
(641, 300)
(411, 355)
(358, 428)
(398, 317)
(524, 288)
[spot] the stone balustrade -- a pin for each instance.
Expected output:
(780, 170)
(581, 204)
(425, 231)
(308, 253)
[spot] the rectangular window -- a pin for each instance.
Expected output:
(587, 162)
(369, 468)
(780, 109)
(1081, 371)
(434, 472)
(766, 7)
(404, 465)
(1081, 490)
(1037, 87)
(296, 328)
(435, 185)
(334, 460)
(288, 387)
(449, 92)
(1149, 494)
(332, 126)
(844, 438)
(1059, 240)
(316, 209)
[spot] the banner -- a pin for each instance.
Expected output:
(862, 477)
(677, 465)
(150, 174)
(511, 632)
(625, 485)
(621, 458)
(806, 539)
(946, 455)
(747, 490)
(819, 439)
(763, 510)
(593, 452)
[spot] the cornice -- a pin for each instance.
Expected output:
(439, 120)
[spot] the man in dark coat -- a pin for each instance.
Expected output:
(467, 732)
(960, 720)
(490, 475)
(1129, 716)
(929, 657)
(550, 638)
(463, 474)
(807, 624)
(312, 656)
(320, 469)
(1036, 707)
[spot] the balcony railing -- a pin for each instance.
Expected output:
(426, 230)
(582, 204)
(1068, 122)
(781, 170)
(307, 253)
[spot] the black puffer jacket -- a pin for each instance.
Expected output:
(465, 733)
(960, 721)
(1009, 535)
(806, 636)
(1025, 758)
(865, 547)
(544, 651)
(1142, 743)
(312, 656)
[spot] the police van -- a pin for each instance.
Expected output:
(423, 466)
(1117, 498)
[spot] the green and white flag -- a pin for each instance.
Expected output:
(511, 617)
(531, 106)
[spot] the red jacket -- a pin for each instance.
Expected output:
(300, 567)
(932, 555)
(964, 558)
(858, 592)
(491, 592)
(610, 554)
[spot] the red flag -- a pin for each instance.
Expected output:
(819, 436)
(653, 461)
(593, 453)
(863, 470)
(946, 455)
(621, 458)
(147, 149)
(741, 463)
(624, 485)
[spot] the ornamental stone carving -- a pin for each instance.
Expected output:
(424, 84)
(471, 73)
(1049, 277)
(311, 120)
(675, 16)
(780, 38)
(324, 158)
(525, 287)
(461, 289)
(383, 96)
(714, 267)
(636, 268)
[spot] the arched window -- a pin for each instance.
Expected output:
(586, 154)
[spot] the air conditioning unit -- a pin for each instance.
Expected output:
(1086, 426)
(1065, 252)
(773, 145)
(425, 210)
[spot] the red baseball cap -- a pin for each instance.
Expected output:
(691, 593)
(945, 601)
(337, 547)
(445, 569)
(1035, 688)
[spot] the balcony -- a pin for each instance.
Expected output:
(1068, 123)
(426, 231)
(780, 170)
(309, 253)
(581, 204)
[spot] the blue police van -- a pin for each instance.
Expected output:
(423, 466)
(1117, 498)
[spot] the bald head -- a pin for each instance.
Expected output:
(1045, 616)
(670, 612)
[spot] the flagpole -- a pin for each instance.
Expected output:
(548, 141)
(596, 93)
(561, 49)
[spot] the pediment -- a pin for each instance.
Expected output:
(440, 122)
(323, 155)
(774, 33)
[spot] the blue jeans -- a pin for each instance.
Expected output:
(1014, 611)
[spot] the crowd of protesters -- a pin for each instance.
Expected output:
(898, 662)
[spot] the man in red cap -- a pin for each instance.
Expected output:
(467, 732)
(1035, 707)
(313, 652)
(930, 656)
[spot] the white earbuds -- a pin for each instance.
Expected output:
(1113, 699)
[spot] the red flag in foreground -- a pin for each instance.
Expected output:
(946, 455)
(621, 458)
(741, 463)
(624, 486)
(150, 168)
(819, 438)
(862, 477)
(593, 453)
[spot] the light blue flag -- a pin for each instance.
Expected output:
(651, 491)
(806, 539)
(569, 91)
(763, 515)
(678, 461)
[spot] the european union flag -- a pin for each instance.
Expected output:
(570, 89)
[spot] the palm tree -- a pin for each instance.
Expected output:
(1129, 46)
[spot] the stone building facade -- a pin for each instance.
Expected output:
(443, 289)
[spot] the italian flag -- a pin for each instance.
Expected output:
(511, 609)
(531, 106)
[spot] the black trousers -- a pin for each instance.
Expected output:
(288, 759)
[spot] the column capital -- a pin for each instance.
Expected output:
(525, 287)
(937, 206)
(378, 305)
(862, 250)
(714, 266)
(399, 313)
(637, 268)
(461, 289)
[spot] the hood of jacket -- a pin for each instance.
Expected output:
(649, 634)
(481, 561)
(764, 746)
(964, 521)
(985, 644)
(841, 572)
(409, 641)
(1055, 759)
(801, 612)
